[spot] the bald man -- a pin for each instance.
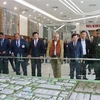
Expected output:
(55, 50)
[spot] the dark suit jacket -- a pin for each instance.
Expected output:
(38, 50)
(65, 50)
(21, 50)
(5, 46)
(87, 45)
(76, 52)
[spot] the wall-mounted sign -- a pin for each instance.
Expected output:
(93, 26)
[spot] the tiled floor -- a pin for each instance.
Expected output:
(47, 71)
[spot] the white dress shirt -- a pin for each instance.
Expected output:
(83, 46)
(55, 43)
(35, 42)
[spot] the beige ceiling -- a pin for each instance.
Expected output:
(58, 9)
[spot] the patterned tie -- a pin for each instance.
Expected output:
(17, 44)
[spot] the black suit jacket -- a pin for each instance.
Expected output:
(87, 45)
(38, 50)
(76, 52)
(5, 46)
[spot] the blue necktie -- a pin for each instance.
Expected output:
(17, 44)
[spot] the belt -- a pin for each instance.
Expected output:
(54, 56)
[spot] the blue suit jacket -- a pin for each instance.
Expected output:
(21, 50)
(5, 46)
(38, 50)
(76, 52)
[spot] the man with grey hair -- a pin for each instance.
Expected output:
(55, 50)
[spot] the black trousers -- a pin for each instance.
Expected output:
(97, 69)
(83, 67)
(23, 64)
(36, 63)
(4, 66)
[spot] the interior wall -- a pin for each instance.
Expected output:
(23, 24)
(9, 22)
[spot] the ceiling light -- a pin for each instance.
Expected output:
(42, 21)
(49, 15)
(55, 9)
(35, 18)
(59, 28)
(61, 13)
(77, 8)
(34, 11)
(29, 15)
(15, 8)
(39, 14)
(81, 2)
(47, 4)
(71, 7)
(5, 3)
(23, 12)
(44, 17)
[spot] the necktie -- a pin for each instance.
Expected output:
(1, 42)
(35, 43)
(74, 44)
(17, 43)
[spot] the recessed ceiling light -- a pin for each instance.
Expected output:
(43, 17)
(29, 15)
(34, 11)
(61, 13)
(42, 21)
(23, 12)
(81, 1)
(35, 18)
(5, 3)
(47, 4)
(54, 27)
(55, 9)
(39, 14)
(15, 8)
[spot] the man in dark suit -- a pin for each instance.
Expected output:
(36, 49)
(85, 45)
(4, 50)
(75, 51)
(19, 48)
(45, 46)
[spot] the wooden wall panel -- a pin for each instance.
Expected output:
(0, 19)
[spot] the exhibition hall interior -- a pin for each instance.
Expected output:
(49, 49)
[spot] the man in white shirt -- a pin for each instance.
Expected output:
(85, 45)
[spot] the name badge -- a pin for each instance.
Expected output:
(23, 46)
(98, 44)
